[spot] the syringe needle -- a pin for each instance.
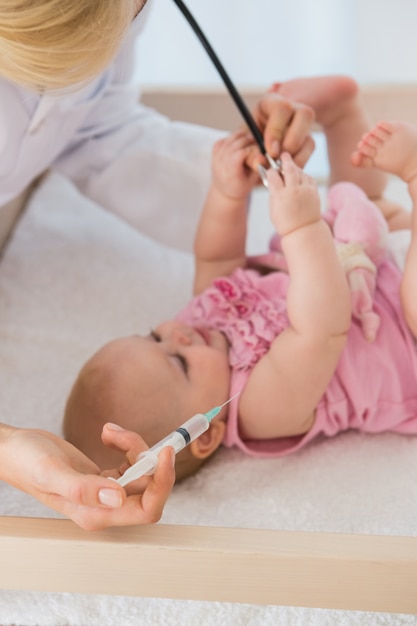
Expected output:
(229, 400)
(186, 433)
(216, 410)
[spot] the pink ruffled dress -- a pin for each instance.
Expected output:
(374, 388)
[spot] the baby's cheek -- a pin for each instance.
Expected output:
(222, 371)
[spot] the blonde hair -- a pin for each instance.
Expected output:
(52, 45)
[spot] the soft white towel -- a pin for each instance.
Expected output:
(75, 276)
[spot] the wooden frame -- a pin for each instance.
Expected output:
(368, 573)
(354, 572)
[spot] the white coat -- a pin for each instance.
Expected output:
(129, 159)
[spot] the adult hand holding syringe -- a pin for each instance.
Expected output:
(186, 433)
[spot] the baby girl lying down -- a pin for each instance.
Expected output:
(313, 334)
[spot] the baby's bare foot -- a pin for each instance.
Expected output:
(391, 147)
(329, 96)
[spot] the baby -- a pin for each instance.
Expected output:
(314, 349)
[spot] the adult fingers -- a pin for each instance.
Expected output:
(126, 441)
(89, 490)
(298, 130)
(301, 157)
(277, 118)
(132, 444)
(146, 508)
(157, 492)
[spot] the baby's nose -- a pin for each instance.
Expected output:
(182, 336)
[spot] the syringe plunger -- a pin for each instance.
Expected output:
(186, 433)
(147, 461)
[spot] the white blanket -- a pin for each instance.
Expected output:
(75, 276)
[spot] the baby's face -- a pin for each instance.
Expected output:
(176, 370)
(195, 362)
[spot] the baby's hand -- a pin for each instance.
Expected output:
(231, 176)
(294, 200)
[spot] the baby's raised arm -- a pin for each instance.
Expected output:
(220, 241)
(287, 383)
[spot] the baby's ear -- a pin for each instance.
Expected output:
(208, 442)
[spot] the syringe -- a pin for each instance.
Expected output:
(186, 433)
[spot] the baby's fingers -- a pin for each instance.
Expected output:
(307, 180)
(275, 180)
(289, 175)
(290, 171)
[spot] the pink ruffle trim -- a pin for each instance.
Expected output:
(236, 306)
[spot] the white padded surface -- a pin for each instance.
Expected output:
(74, 276)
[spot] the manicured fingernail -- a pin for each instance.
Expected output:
(275, 147)
(112, 426)
(110, 497)
(172, 457)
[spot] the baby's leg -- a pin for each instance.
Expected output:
(392, 146)
(339, 110)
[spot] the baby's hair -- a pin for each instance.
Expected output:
(52, 45)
